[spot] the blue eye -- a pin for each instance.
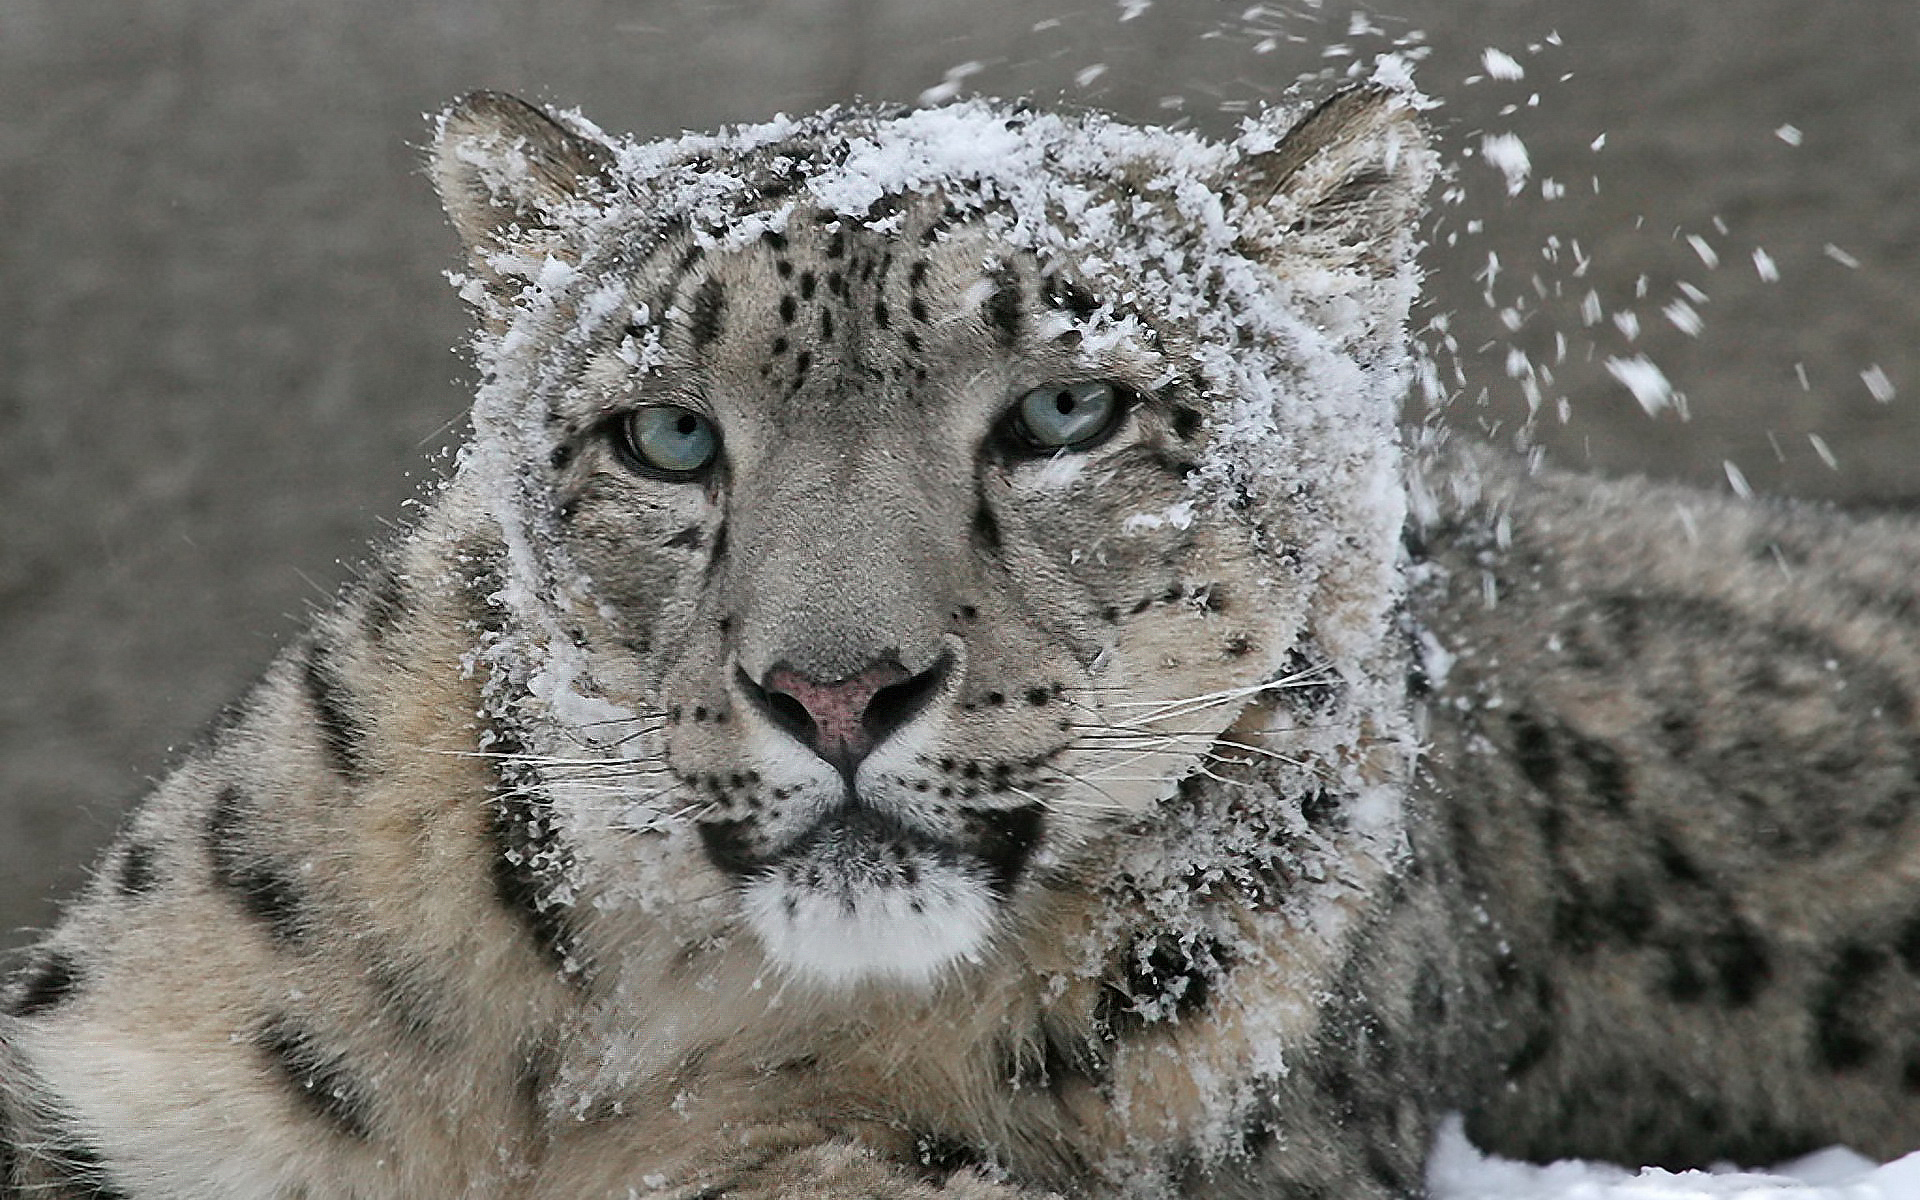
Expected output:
(1068, 416)
(674, 442)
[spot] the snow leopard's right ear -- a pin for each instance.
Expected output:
(1342, 188)
(507, 173)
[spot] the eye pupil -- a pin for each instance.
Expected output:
(670, 441)
(1072, 416)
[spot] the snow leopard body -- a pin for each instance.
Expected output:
(926, 681)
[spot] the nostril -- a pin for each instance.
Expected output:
(792, 716)
(785, 711)
(894, 705)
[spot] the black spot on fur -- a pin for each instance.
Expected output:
(826, 324)
(383, 599)
(1003, 839)
(1309, 684)
(68, 1167)
(1319, 807)
(1907, 944)
(917, 274)
(318, 1077)
(789, 308)
(1741, 963)
(1840, 1036)
(1533, 751)
(1678, 866)
(48, 982)
(1066, 294)
(264, 891)
(1605, 771)
(1577, 924)
(343, 735)
(917, 309)
(729, 847)
(942, 1155)
(774, 239)
(529, 855)
(137, 874)
(986, 528)
(881, 316)
(837, 244)
(1162, 979)
(1627, 912)
(534, 1073)
(1006, 308)
(709, 310)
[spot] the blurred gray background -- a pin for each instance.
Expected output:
(225, 345)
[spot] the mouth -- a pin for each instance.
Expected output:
(860, 896)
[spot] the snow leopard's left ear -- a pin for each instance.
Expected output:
(507, 174)
(1343, 188)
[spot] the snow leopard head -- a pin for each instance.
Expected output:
(894, 508)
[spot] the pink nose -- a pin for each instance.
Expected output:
(845, 722)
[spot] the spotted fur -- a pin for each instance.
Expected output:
(862, 815)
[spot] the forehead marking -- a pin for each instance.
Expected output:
(1005, 308)
(709, 309)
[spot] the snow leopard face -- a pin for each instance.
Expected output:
(914, 545)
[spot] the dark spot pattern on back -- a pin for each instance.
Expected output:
(319, 1078)
(528, 853)
(337, 720)
(1841, 1038)
(137, 874)
(265, 891)
(62, 1165)
(1533, 752)
(383, 596)
(49, 981)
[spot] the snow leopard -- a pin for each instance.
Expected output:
(938, 674)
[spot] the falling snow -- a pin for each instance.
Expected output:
(1644, 378)
(1506, 153)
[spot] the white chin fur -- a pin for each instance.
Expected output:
(859, 933)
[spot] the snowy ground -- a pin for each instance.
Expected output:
(1459, 1172)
